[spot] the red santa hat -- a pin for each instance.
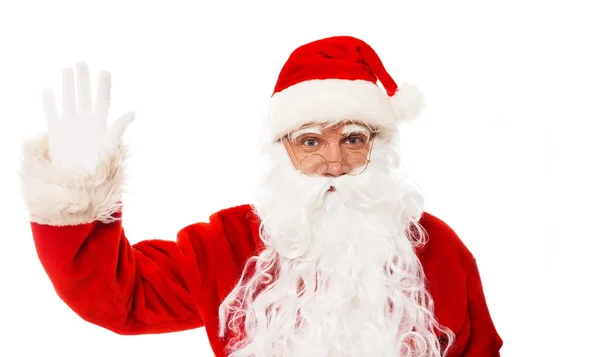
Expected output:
(336, 79)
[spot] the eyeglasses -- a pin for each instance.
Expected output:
(353, 163)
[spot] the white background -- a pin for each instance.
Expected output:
(506, 153)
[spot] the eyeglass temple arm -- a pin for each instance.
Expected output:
(287, 145)
(371, 150)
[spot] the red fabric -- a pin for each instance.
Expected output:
(339, 57)
(159, 286)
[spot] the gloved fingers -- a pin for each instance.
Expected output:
(103, 95)
(68, 88)
(84, 90)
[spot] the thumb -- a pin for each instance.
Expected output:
(117, 129)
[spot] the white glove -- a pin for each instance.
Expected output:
(80, 139)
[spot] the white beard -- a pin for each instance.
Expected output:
(338, 275)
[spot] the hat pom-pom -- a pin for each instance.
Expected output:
(408, 102)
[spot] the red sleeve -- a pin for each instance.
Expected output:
(484, 340)
(145, 288)
(151, 287)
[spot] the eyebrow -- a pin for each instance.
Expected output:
(356, 129)
(313, 129)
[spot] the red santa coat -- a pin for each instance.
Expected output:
(158, 286)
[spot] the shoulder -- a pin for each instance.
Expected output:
(237, 222)
(231, 231)
(436, 226)
(220, 246)
(241, 212)
(239, 216)
(442, 239)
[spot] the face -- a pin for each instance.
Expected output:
(338, 275)
(342, 149)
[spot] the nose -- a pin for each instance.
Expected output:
(334, 164)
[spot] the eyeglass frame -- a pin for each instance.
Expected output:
(327, 162)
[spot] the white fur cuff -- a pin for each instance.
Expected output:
(58, 197)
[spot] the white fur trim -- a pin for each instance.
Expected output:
(58, 197)
(329, 101)
(408, 102)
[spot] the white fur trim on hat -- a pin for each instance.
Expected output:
(57, 197)
(329, 101)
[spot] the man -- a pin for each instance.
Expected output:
(335, 258)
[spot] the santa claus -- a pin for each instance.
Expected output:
(335, 258)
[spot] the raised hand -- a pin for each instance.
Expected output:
(80, 138)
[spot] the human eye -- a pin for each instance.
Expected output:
(310, 142)
(355, 140)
